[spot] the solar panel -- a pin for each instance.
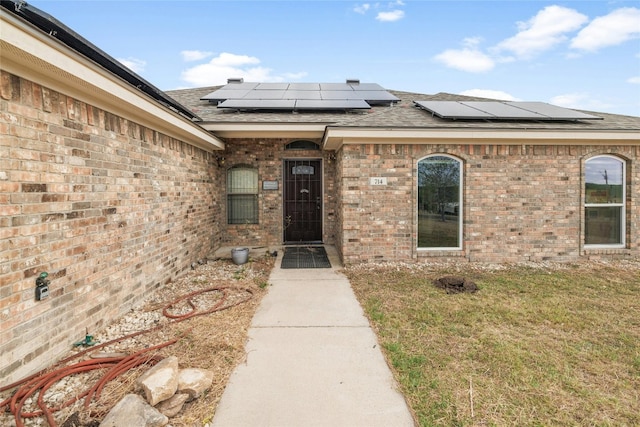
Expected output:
(366, 86)
(258, 104)
(324, 104)
(272, 86)
(291, 104)
(304, 86)
(554, 111)
(453, 109)
(264, 94)
(377, 96)
(312, 96)
(499, 110)
(302, 94)
(222, 94)
(242, 85)
(335, 86)
(339, 94)
(503, 110)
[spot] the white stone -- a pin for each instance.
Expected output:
(160, 382)
(194, 381)
(172, 406)
(133, 411)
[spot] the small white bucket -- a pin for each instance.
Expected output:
(240, 255)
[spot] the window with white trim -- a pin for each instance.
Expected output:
(242, 195)
(604, 208)
(439, 202)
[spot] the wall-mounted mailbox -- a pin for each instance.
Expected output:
(42, 286)
(269, 185)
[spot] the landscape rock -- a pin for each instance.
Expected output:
(133, 411)
(160, 382)
(455, 284)
(194, 381)
(172, 406)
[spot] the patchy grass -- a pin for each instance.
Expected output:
(536, 345)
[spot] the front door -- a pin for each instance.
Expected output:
(302, 201)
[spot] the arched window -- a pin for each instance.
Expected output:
(604, 207)
(439, 202)
(302, 144)
(242, 195)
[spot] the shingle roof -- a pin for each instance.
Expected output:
(404, 114)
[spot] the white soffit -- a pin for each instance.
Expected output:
(31, 54)
(266, 130)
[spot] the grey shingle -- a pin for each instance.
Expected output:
(400, 115)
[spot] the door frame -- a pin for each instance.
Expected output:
(285, 161)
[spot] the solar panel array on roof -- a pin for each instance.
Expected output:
(498, 110)
(294, 104)
(300, 96)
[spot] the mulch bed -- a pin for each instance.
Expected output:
(213, 341)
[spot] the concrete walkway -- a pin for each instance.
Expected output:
(312, 360)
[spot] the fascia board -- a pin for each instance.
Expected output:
(33, 55)
(335, 137)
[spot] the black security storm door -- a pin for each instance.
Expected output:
(302, 201)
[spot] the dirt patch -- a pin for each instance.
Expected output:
(455, 284)
(214, 340)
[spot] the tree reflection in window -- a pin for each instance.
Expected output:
(605, 201)
(439, 202)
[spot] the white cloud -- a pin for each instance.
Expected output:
(543, 31)
(362, 8)
(634, 80)
(468, 59)
(227, 65)
(134, 64)
(609, 30)
(546, 29)
(491, 94)
(471, 42)
(394, 15)
(579, 101)
(195, 55)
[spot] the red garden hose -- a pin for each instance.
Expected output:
(43, 380)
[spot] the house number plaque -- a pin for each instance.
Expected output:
(378, 180)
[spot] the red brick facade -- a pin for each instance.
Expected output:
(110, 209)
(113, 210)
(267, 156)
(520, 202)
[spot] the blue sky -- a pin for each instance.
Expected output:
(576, 54)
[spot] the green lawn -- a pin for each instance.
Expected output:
(533, 347)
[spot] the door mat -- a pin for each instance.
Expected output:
(305, 257)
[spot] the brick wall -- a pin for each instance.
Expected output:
(267, 155)
(521, 202)
(110, 209)
(113, 210)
